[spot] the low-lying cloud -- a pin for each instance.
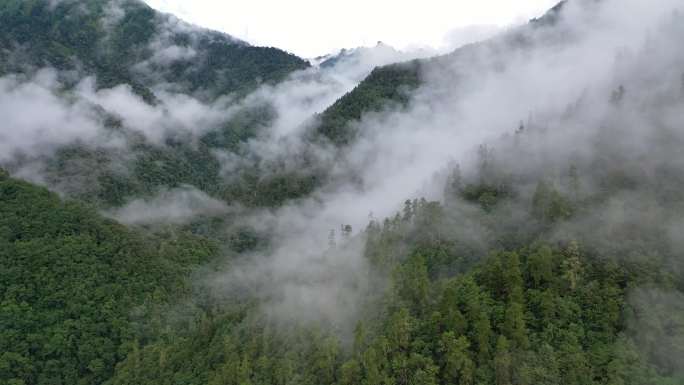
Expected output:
(561, 81)
(173, 206)
(557, 80)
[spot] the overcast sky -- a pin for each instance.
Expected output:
(310, 28)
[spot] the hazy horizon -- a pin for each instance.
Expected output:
(324, 28)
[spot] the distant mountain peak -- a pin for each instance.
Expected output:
(351, 54)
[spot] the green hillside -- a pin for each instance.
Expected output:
(384, 87)
(76, 289)
(111, 39)
(551, 255)
(542, 313)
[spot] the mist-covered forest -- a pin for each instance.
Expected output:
(178, 206)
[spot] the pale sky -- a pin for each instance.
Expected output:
(310, 28)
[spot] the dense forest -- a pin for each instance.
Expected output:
(541, 314)
(70, 280)
(110, 39)
(127, 43)
(384, 86)
(502, 214)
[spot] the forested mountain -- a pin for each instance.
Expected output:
(384, 87)
(390, 86)
(508, 213)
(127, 42)
(70, 281)
(378, 53)
(114, 55)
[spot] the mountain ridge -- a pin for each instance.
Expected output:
(508, 213)
(127, 42)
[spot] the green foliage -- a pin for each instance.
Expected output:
(487, 196)
(549, 205)
(515, 318)
(480, 290)
(84, 35)
(384, 86)
(246, 124)
(107, 177)
(69, 281)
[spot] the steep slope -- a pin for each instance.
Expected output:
(127, 42)
(167, 64)
(71, 283)
(391, 85)
(384, 86)
(556, 259)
